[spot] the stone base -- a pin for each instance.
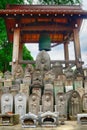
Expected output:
(82, 118)
(69, 125)
(9, 119)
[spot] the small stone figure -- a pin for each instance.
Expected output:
(47, 102)
(37, 78)
(49, 77)
(43, 61)
(29, 69)
(84, 102)
(57, 69)
(18, 72)
(69, 73)
(74, 104)
(20, 104)
(61, 104)
(6, 103)
(34, 103)
(7, 75)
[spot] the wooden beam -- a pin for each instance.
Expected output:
(47, 28)
(52, 61)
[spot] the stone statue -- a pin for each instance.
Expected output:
(49, 77)
(18, 72)
(34, 103)
(20, 104)
(43, 61)
(69, 73)
(47, 102)
(57, 69)
(78, 72)
(6, 103)
(61, 104)
(27, 78)
(37, 78)
(7, 75)
(74, 104)
(29, 69)
(84, 102)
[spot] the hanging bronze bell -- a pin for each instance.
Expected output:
(44, 42)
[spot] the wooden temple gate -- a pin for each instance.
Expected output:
(25, 23)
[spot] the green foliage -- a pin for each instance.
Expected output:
(26, 54)
(6, 47)
(5, 56)
(60, 2)
(3, 3)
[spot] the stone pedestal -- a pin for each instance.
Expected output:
(82, 119)
(9, 119)
(49, 119)
(29, 120)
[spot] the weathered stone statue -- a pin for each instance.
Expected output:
(61, 104)
(78, 72)
(69, 73)
(20, 104)
(43, 61)
(74, 105)
(49, 77)
(29, 69)
(27, 78)
(47, 102)
(7, 75)
(37, 78)
(57, 69)
(84, 102)
(48, 87)
(34, 103)
(37, 90)
(18, 72)
(6, 103)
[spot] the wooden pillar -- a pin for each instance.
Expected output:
(66, 53)
(77, 47)
(16, 41)
(20, 51)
